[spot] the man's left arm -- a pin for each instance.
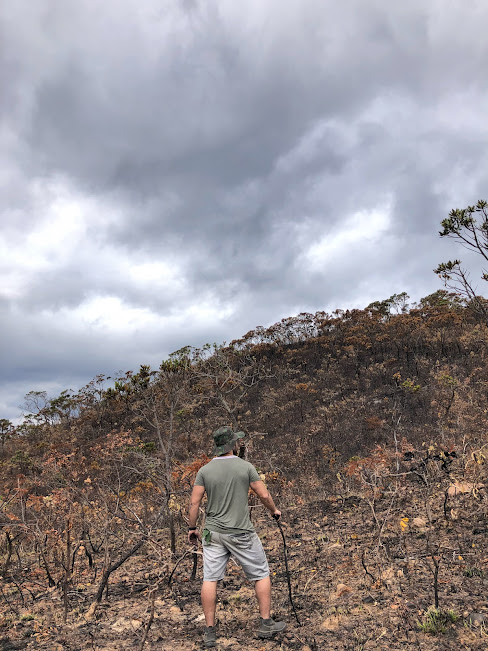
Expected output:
(195, 500)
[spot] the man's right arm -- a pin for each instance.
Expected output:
(264, 495)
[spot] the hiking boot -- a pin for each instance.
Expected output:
(268, 628)
(210, 637)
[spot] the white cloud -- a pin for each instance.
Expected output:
(110, 315)
(358, 235)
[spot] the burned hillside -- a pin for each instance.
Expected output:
(369, 427)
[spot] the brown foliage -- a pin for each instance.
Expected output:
(361, 404)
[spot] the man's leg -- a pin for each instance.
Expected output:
(215, 557)
(209, 601)
(267, 626)
(263, 594)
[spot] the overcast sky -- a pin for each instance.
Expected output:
(176, 172)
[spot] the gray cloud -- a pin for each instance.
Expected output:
(175, 173)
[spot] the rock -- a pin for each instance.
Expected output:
(459, 487)
(388, 575)
(331, 623)
(342, 589)
(90, 613)
(420, 523)
(477, 619)
(123, 624)
(229, 642)
(175, 614)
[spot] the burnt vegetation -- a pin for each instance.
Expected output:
(369, 427)
(374, 416)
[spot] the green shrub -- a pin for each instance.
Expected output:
(473, 571)
(437, 620)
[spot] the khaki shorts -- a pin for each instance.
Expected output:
(246, 548)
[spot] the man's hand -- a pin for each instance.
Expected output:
(194, 537)
(277, 514)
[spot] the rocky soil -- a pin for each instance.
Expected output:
(355, 587)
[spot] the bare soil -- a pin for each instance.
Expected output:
(354, 588)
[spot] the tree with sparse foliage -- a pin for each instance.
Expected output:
(469, 226)
(6, 431)
(160, 402)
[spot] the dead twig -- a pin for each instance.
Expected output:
(149, 621)
(363, 563)
(188, 551)
(8, 603)
(109, 568)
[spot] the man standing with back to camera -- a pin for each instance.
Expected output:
(228, 530)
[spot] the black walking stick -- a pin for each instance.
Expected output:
(194, 539)
(285, 550)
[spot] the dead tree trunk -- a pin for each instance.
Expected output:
(106, 575)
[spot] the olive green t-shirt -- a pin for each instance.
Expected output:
(226, 481)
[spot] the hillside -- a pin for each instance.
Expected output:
(370, 429)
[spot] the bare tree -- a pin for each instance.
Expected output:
(160, 399)
(225, 376)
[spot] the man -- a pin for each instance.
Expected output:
(228, 530)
